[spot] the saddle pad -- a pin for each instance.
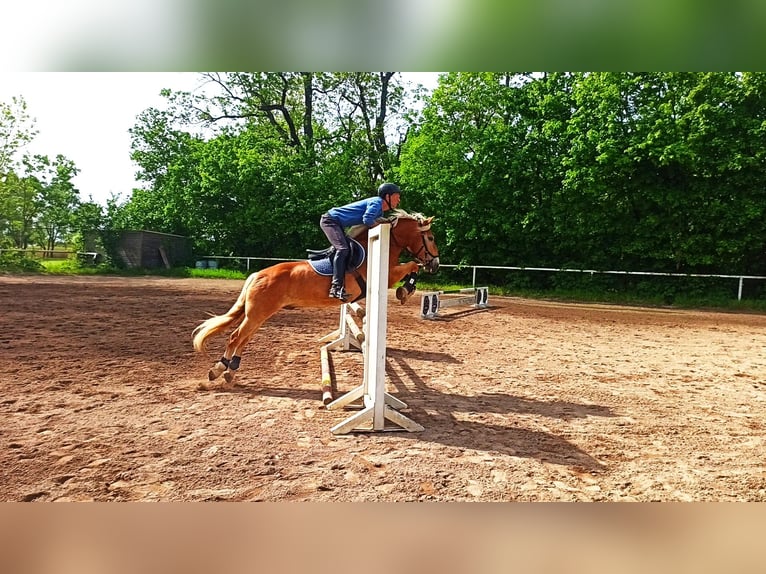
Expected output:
(324, 266)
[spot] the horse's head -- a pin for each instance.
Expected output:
(412, 233)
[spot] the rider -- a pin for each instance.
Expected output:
(365, 211)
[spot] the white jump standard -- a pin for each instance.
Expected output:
(434, 301)
(379, 406)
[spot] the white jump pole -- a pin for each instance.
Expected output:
(347, 337)
(379, 406)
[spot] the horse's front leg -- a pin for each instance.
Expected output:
(406, 271)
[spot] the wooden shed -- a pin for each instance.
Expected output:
(151, 249)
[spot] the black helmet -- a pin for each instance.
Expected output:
(387, 189)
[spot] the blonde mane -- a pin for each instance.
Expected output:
(358, 230)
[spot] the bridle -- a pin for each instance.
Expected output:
(423, 248)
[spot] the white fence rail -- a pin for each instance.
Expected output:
(740, 278)
(474, 268)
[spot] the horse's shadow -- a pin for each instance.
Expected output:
(436, 411)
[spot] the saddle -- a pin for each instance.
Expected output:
(316, 254)
(321, 259)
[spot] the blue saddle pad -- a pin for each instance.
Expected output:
(324, 266)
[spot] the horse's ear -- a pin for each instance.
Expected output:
(424, 224)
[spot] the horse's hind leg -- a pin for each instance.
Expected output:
(218, 369)
(228, 364)
(228, 361)
(225, 366)
(237, 342)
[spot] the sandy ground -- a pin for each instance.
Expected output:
(524, 401)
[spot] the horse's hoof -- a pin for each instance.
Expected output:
(228, 376)
(215, 371)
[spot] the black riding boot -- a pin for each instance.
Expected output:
(337, 290)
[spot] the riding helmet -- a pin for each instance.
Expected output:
(387, 189)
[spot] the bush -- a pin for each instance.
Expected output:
(16, 262)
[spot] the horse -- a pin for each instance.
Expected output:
(295, 284)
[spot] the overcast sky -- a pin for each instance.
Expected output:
(86, 117)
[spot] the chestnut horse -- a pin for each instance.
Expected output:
(295, 284)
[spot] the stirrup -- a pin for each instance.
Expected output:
(338, 292)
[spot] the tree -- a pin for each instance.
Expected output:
(17, 129)
(21, 208)
(58, 198)
(660, 165)
(482, 161)
(279, 148)
(636, 171)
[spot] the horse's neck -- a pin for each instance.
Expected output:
(394, 251)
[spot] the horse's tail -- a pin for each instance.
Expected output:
(219, 323)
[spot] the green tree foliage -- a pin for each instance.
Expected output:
(57, 201)
(277, 150)
(37, 196)
(20, 200)
(658, 171)
(664, 172)
(631, 171)
(487, 159)
(37, 207)
(17, 129)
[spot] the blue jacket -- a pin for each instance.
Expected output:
(363, 211)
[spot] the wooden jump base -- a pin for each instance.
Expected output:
(434, 301)
(378, 406)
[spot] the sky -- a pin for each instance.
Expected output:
(86, 117)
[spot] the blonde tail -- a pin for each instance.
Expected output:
(219, 323)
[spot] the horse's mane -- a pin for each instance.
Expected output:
(357, 230)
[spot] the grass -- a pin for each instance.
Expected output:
(71, 267)
(216, 273)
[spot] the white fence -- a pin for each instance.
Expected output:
(740, 278)
(474, 268)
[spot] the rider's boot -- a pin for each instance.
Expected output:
(337, 289)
